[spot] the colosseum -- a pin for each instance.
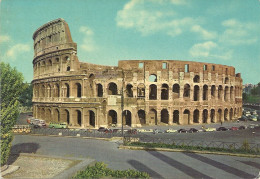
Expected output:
(134, 93)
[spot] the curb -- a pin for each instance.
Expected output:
(9, 170)
(189, 151)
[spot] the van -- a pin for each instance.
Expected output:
(62, 125)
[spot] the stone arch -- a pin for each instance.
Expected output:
(67, 90)
(205, 92)
(164, 116)
(212, 115)
(186, 116)
(153, 92)
(48, 117)
(231, 114)
(196, 93)
(176, 116)
(165, 92)
(205, 116)
(127, 118)
(79, 117)
(226, 114)
(42, 90)
(56, 115)
(226, 93)
(196, 115)
(99, 90)
(196, 79)
(92, 120)
(220, 92)
(219, 115)
(231, 93)
(112, 89)
(141, 116)
(129, 90)
(56, 90)
(235, 113)
(78, 90)
(49, 89)
(67, 116)
(186, 91)
(153, 116)
(112, 117)
(226, 80)
(153, 78)
(141, 90)
(213, 91)
(175, 91)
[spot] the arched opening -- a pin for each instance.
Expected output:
(48, 115)
(164, 116)
(99, 90)
(212, 115)
(196, 93)
(152, 78)
(79, 117)
(205, 92)
(213, 91)
(196, 115)
(231, 93)
(165, 92)
(175, 91)
(141, 116)
(235, 113)
(153, 92)
(219, 115)
(231, 114)
(196, 79)
(56, 115)
(67, 116)
(141, 90)
(112, 89)
(226, 93)
(56, 90)
(68, 68)
(205, 116)
(153, 116)
(129, 90)
(49, 91)
(186, 116)
(42, 91)
(112, 117)
(220, 92)
(127, 118)
(92, 118)
(176, 116)
(226, 80)
(186, 91)
(78, 87)
(226, 114)
(67, 90)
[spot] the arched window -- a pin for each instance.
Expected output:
(196, 93)
(78, 87)
(141, 90)
(196, 79)
(153, 92)
(165, 92)
(67, 90)
(112, 89)
(176, 91)
(129, 90)
(152, 78)
(205, 92)
(99, 90)
(186, 91)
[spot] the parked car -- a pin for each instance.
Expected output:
(222, 129)
(132, 131)
(241, 127)
(145, 130)
(115, 130)
(253, 118)
(209, 129)
(182, 131)
(34, 121)
(62, 125)
(171, 131)
(101, 129)
(157, 131)
(108, 130)
(192, 130)
(233, 128)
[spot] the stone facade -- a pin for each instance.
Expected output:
(155, 92)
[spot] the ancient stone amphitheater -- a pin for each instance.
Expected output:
(135, 93)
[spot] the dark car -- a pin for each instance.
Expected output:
(182, 131)
(222, 129)
(241, 127)
(108, 130)
(233, 128)
(132, 131)
(192, 130)
(101, 129)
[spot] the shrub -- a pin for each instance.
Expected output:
(100, 170)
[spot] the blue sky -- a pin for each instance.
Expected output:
(219, 31)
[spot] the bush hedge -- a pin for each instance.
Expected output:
(100, 170)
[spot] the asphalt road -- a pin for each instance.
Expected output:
(157, 164)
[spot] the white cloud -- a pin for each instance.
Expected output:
(206, 35)
(4, 38)
(147, 18)
(239, 33)
(88, 41)
(16, 50)
(202, 49)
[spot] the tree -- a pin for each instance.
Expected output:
(26, 96)
(11, 88)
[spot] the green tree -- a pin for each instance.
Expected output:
(11, 88)
(26, 96)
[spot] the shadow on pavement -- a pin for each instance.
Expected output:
(252, 164)
(178, 165)
(22, 148)
(141, 167)
(221, 166)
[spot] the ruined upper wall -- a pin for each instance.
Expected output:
(52, 36)
(175, 66)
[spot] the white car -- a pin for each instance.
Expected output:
(170, 131)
